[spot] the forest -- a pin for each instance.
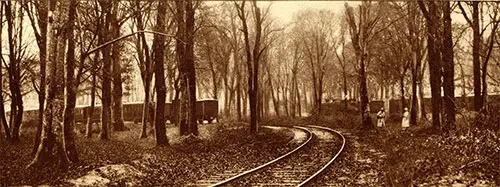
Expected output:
(327, 66)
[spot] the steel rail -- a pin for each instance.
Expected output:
(270, 162)
(331, 160)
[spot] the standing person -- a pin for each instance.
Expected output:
(405, 123)
(381, 118)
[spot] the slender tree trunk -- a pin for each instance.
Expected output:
(275, 101)
(448, 70)
(71, 87)
(145, 66)
(90, 112)
(2, 107)
(476, 63)
(42, 46)
(320, 93)
(238, 90)
(106, 74)
(365, 115)
(185, 51)
(423, 113)
(180, 51)
(434, 58)
(190, 23)
(252, 58)
(158, 58)
(414, 96)
(402, 90)
(293, 97)
(344, 76)
(299, 105)
(16, 110)
(285, 99)
(117, 111)
(244, 103)
(306, 101)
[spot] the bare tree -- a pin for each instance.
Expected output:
(16, 53)
(253, 55)
(185, 20)
(440, 56)
(52, 140)
(481, 50)
(71, 86)
(362, 31)
(145, 63)
(160, 87)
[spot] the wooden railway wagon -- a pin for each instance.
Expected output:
(207, 110)
(461, 102)
(131, 112)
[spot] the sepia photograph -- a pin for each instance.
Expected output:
(249, 93)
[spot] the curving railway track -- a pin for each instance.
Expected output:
(295, 168)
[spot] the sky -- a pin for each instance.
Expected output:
(284, 10)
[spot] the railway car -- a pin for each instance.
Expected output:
(205, 110)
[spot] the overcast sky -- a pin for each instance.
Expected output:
(284, 10)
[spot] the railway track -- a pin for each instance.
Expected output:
(296, 168)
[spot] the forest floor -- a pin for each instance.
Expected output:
(418, 156)
(127, 160)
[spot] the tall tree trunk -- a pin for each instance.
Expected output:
(180, 50)
(320, 93)
(306, 102)
(226, 98)
(117, 111)
(423, 113)
(42, 46)
(252, 58)
(145, 66)
(106, 74)
(344, 77)
(90, 111)
(476, 63)
(16, 110)
(244, 102)
(402, 90)
(238, 90)
(71, 87)
(293, 97)
(434, 58)
(2, 107)
(185, 51)
(299, 106)
(414, 96)
(55, 105)
(365, 115)
(448, 70)
(190, 23)
(158, 58)
(275, 101)
(285, 99)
